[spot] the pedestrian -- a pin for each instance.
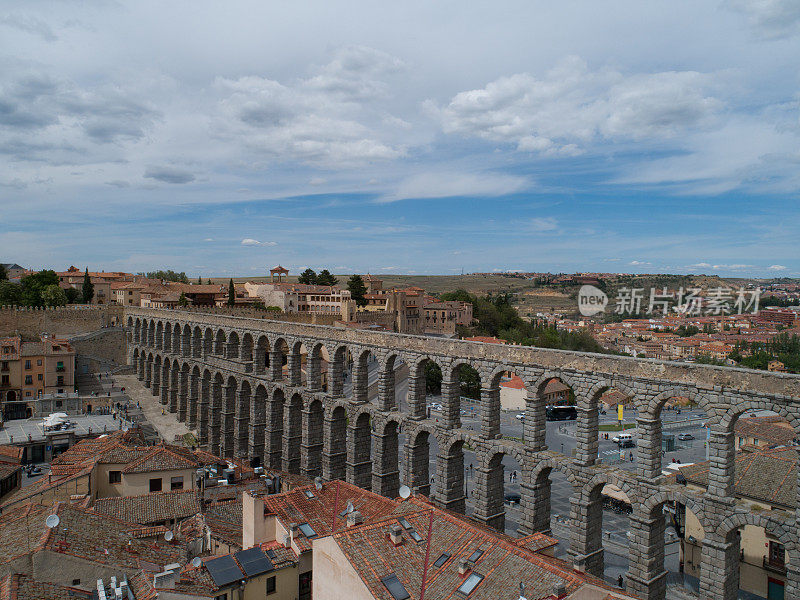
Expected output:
(619, 581)
(631, 456)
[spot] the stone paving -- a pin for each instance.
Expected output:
(165, 422)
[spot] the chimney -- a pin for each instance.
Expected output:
(559, 590)
(464, 566)
(292, 531)
(396, 535)
(165, 580)
(287, 541)
(354, 518)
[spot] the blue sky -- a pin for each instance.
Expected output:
(417, 137)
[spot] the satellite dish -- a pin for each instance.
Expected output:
(197, 561)
(168, 536)
(52, 521)
(350, 507)
(318, 483)
(405, 491)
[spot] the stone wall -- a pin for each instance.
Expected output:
(61, 322)
(105, 349)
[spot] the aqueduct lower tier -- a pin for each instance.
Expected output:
(225, 377)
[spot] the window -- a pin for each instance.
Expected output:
(39, 363)
(5, 380)
(39, 377)
(60, 380)
(404, 523)
(415, 536)
(60, 366)
(271, 585)
(475, 555)
(27, 365)
(155, 485)
(776, 554)
(221, 597)
(441, 560)
(470, 583)
(307, 530)
(176, 483)
(114, 476)
(76, 582)
(4, 366)
(395, 588)
(28, 379)
(59, 403)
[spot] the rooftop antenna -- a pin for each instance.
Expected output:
(318, 483)
(197, 561)
(350, 507)
(405, 491)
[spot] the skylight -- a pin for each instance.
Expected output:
(309, 494)
(404, 523)
(470, 583)
(395, 588)
(307, 530)
(476, 555)
(441, 560)
(415, 536)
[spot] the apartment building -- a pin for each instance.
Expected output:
(29, 370)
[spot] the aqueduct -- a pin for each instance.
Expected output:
(225, 377)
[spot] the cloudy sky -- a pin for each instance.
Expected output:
(415, 137)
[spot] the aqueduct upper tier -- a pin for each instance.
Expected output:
(255, 388)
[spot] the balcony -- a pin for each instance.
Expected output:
(60, 369)
(774, 566)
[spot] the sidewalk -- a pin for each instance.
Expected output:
(167, 424)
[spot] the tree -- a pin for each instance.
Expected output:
(325, 278)
(357, 290)
(308, 276)
(208, 281)
(182, 301)
(168, 275)
(53, 295)
(199, 280)
(88, 288)
(231, 293)
(34, 285)
(73, 295)
(10, 293)
(3, 273)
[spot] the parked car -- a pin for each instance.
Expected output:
(520, 416)
(513, 498)
(685, 436)
(625, 440)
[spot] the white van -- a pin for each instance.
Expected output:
(625, 440)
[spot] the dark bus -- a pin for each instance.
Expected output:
(561, 413)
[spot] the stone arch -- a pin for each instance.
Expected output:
(241, 430)
(417, 384)
(336, 370)
(159, 336)
(261, 355)
(292, 433)
(247, 347)
(363, 358)
(317, 365)
(418, 458)
(274, 429)
(219, 342)
(151, 334)
(232, 345)
(258, 415)
(385, 471)
(168, 337)
(208, 341)
(313, 438)
(359, 448)
(335, 455)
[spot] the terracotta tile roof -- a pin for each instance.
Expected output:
(515, 383)
(163, 458)
(23, 587)
(284, 557)
(317, 511)
(769, 476)
(224, 519)
(91, 536)
(8, 469)
(501, 563)
(150, 508)
(231, 492)
(13, 453)
(770, 429)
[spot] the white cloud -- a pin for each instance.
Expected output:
(572, 107)
(208, 240)
(776, 268)
(733, 267)
(770, 19)
(639, 263)
(452, 184)
(543, 224)
(169, 174)
(252, 242)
